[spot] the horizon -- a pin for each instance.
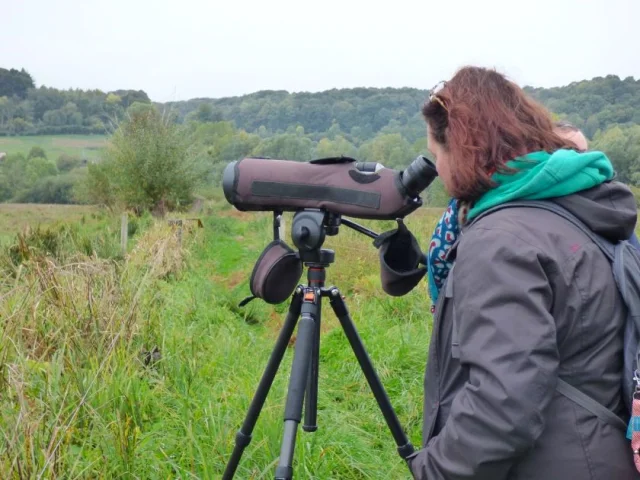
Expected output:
(292, 92)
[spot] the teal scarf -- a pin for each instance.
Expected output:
(540, 175)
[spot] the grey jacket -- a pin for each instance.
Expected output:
(529, 299)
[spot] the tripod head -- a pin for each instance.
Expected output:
(308, 232)
(310, 228)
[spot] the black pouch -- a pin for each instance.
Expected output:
(275, 274)
(400, 259)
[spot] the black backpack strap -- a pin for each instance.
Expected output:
(609, 249)
(588, 403)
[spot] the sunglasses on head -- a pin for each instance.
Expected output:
(433, 97)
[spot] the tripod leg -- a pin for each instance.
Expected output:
(297, 383)
(405, 448)
(311, 399)
(243, 437)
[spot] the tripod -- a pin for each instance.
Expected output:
(308, 232)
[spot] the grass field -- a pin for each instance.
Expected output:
(81, 401)
(146, 368)
(83, 146)
(15, 217)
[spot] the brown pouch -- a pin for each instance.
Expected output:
(275, 274)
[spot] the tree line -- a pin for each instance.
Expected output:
(360, 113)
(372, 124)
(27, 110)
(607, 110)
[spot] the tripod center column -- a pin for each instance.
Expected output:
(316, 276)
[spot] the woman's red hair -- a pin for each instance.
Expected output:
(484, 120)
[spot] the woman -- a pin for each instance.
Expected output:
(522, 298)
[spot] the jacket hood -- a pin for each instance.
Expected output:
(582, 182)
(543, 175)
(608, 209)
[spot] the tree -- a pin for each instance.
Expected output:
(54, 117)
(58, 189)
(15, 83)
(335, 148)
(333, 131)
(592, 126)
(113, 99)
(129, 97)
(66, 163)
(5, 110)
(44, 100)
(19, 125)
(218, 143)
(240, 145)
(206, 113)
(391, 150)
(13, 169)
(288, 146)
(98, 187)
(150, 164)
(38, 168)
(36, 152)
(622, 145)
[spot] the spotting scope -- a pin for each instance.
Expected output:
(338, 185)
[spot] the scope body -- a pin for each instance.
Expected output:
(338, 185)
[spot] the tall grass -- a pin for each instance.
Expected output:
(144, 367)
(73, 336)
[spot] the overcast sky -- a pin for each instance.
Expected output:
(181, 49)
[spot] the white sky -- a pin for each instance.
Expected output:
(181, 49)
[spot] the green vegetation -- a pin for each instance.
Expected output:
(26, 110)
(148, 166)
(15, 218)
(84, 147)
(14, 83)
(46, 169)
(595, 104)
(372, 124)
(144, 367)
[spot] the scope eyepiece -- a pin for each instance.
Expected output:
(418, 176)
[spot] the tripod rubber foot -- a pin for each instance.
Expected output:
(406, 450)
(310, 428)
(284, 473)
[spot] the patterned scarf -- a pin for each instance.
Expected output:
(444, 236)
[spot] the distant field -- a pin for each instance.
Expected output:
(14, 217)
(84, 146)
